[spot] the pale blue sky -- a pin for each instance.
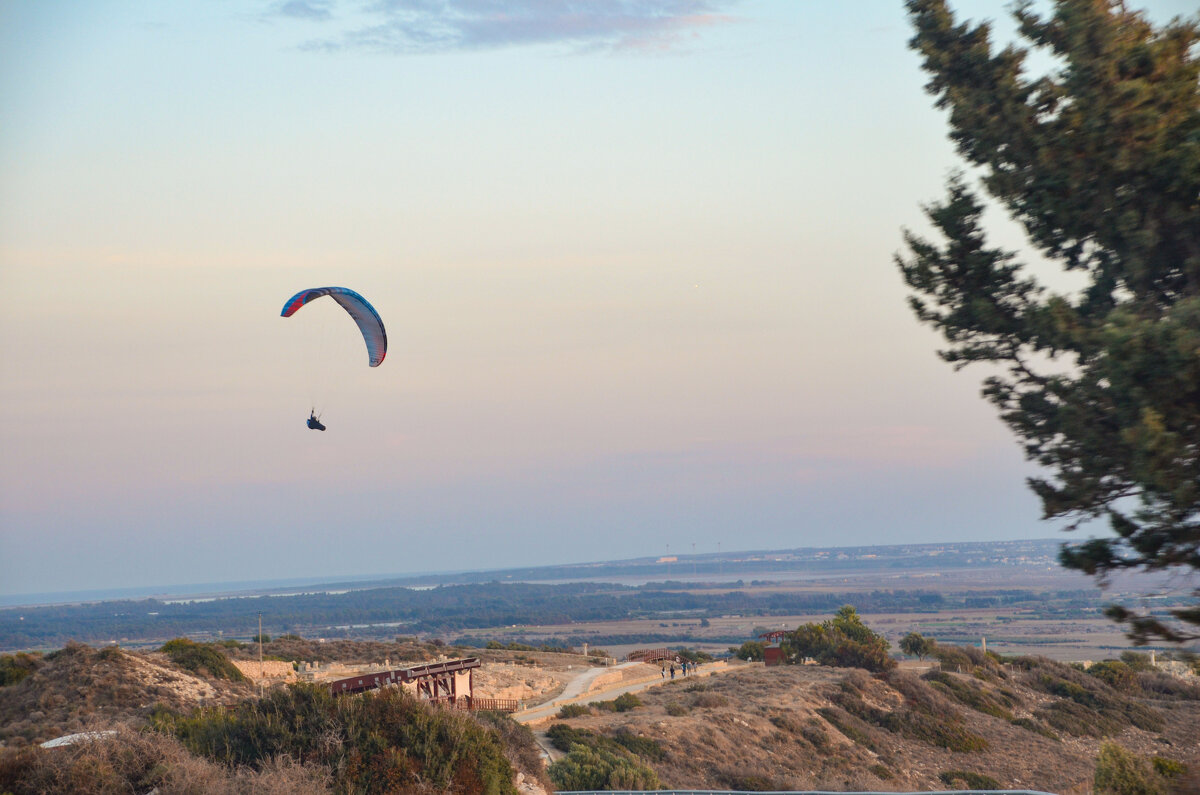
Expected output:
(634, 262)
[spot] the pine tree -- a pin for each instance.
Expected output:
(1098, 159)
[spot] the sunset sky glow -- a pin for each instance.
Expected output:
(634, 258)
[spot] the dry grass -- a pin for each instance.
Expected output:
(78, 685)
(133, 761)
(781, 728)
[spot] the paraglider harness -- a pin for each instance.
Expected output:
(314, 422)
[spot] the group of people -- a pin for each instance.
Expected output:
(687, 666)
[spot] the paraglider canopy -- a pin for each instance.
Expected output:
(368, 320)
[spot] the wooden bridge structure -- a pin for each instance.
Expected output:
(650, 655)
(450, 682)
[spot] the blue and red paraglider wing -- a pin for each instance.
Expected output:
(368, 320)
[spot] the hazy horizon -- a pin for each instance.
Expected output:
(241, 588)
(635, 265)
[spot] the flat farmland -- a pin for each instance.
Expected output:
(1060, 616)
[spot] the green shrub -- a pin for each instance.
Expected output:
(880, 772)
(1121, 772)
(815, 734)
(1116, 675)
(616, 759)
(926, 715)
(384, 741)
(1168, 768)
(1099, 702)
(751, 650)
(970, 780)
(562, 737)
(1035, 727)
(573, 710)
(675, 709)
(585, 768)
(622, 703)
(15, 667)
(1137, 661)
(646, 747)
(972, 695)
(839, 720)
(201, 658)
(1078, 720)
(750, 782)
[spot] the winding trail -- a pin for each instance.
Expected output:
(577, 691)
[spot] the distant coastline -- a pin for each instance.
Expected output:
(631, 571)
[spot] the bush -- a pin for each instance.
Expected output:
(130, 761)
(1121, 772)
(1035, 727)
(646, 747)
(586, 768)
(622, 703)
(595, 761)
(1137, 661)
(376, 742)
(573, 710)
(204, 659)
(926, 715)
(15, 667)
(970, 780)
(1168, 768)
(675, 709)
(751, 650)
(562, 737)
(841, 721)
(1116, 675)
(972, 694)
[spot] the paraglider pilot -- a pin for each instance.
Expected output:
(314, 421)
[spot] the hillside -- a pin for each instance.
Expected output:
(972, 721)
(297, 739)
(78, 687)
(1031, 723)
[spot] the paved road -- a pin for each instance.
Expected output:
(572, 692)
(576, 691)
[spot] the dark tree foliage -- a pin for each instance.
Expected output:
(917, 645)
(1099, 161)
(843, 641)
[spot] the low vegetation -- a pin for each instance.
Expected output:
(202, 658)
(925, 714)
(968, 780)
(596, 761)
(384, 741)
(15, 667)
(1120, 771)
(138, 761)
